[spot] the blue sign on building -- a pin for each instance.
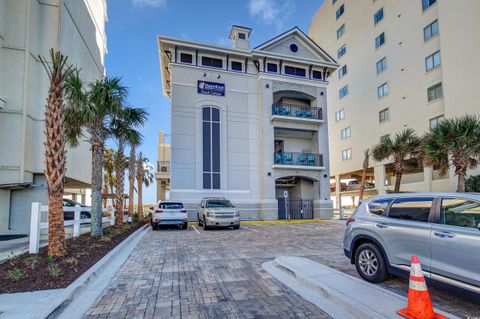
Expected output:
(211, 88)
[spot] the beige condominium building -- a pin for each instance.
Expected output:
(162, 175)
(29, 28)
(403, 64)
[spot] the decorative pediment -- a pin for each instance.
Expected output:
(297, 44)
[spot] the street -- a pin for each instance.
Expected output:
(217, 274)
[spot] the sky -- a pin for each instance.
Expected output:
(133, 26)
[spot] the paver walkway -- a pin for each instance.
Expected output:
(218, 274)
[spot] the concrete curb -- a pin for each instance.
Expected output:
(338, 294)
(63, 300)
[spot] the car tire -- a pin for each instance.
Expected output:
(199, 223)
(185, 226)
(84, 215)
(236, 227)
(205, 227)
(370, 263)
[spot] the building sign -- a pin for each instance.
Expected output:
(211, 88)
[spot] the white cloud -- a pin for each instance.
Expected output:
(149, 3)
(271, 11)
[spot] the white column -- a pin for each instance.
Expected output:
(76, 221)
(35, 228)
(379, 174)
(338, 189)
(427, 178)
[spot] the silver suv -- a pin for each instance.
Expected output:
(217, 212)
(442, 229)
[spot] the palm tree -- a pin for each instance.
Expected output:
(109, 168)
(454, 142)
(55, 153)
(405, 145)
(144, 177)
(131, 178)
(366, 159)
(94, 108)
(125, 133)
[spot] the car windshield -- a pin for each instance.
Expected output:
(170, 205)
(213, 203)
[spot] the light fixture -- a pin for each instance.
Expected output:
(204, 74)
(219, 76)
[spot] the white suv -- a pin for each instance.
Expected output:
(169, 213)
(217, 212)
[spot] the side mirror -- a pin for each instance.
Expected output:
(152, 208)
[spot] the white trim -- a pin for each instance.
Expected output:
(295, 119)
(291, 79)
(299, 167)
(279, 56)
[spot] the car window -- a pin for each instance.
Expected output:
(170, 205)
(378, 206)
(213, 203)
(414, 209)
(460, 212)
(67, 203)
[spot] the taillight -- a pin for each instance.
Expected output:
(183, 211)
(350, 220)
(158, 211)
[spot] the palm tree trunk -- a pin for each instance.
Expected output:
(119, 183)
(97, 164)
(131, 179)
(461, 182)
(364, 174)
(140, 203)
(56, 228)
(398, 181)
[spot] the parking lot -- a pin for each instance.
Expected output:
(217, 274)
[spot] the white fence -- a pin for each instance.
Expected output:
(36, 223)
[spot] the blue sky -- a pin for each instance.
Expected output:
(132, 48)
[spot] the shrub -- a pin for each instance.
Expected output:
(54, 271)
(15, 274)
(31, 262)
(72, 261)
(105, 239)
(50, 260)
(472, 184)
(136, 217)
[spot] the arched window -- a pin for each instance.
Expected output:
(211, 147)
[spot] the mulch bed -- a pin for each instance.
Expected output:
(38, 272)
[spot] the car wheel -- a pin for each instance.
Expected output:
(199, 223)
(205, 227)
(185, 226)
(370, 263)
(236, 226)
(84, 215)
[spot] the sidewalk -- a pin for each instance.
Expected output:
(338, 294)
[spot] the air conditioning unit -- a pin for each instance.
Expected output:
(3, 102)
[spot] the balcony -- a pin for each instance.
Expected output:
(297, 112)
(298, 160)
(163, 167)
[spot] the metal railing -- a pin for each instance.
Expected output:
(163, 166)
(304, 112)
(298, 159)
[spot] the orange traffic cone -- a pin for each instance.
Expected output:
(419, 303)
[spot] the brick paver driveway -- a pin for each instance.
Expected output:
(218, 274)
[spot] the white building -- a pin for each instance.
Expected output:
(406, 63)
(249, 123)
(30, 28)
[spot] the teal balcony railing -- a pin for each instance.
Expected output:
(298, 159)
(304, 112)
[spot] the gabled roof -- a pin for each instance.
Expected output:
(295, 30)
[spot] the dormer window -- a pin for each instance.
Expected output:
(241, 35)
(186, 58)
(293, 47)
(236, 66)
(272, 67)
(212, 62)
